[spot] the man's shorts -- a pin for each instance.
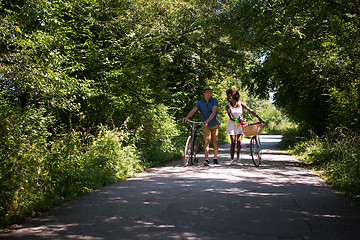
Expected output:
(211, 133)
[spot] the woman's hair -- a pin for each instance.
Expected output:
(235, 94)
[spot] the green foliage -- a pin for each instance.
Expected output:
(161, 144)
(111, 159)
(306, 53)
(67, 68)
(275, 121)
(22, 152)
(35, 176)
(335, 156)
(93, 91)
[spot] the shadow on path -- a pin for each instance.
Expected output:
(278, 200)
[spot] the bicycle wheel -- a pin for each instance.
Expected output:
(196, 148)
(187, 153)
(255, 151)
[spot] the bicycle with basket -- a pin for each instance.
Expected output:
(254, 130)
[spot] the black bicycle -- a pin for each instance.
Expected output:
(192, 143)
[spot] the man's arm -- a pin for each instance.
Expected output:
(214, 110)
(190, 114)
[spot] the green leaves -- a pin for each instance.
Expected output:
(69, 67)
(305, 52)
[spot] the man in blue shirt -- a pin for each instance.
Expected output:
(208, 107)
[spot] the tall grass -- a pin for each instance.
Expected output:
(336, 156)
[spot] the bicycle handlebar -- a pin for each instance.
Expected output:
(193, 122)
(201, 123)
(250, 124)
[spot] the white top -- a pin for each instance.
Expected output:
(231, 128)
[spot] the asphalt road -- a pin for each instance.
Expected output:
(279, 200)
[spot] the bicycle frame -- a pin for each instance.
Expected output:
(258, 139)
(192, 142)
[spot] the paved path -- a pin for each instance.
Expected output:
(279, 200)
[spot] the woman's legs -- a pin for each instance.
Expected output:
(238, 148)
(232, 146)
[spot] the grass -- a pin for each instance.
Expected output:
(335, 156)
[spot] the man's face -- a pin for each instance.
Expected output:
(207, 94)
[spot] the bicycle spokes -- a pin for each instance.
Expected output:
(255, 150)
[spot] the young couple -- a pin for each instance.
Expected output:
(208, 107)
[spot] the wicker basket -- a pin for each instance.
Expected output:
(252, 130)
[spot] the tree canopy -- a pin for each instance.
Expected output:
(86, 84)
(308, 54)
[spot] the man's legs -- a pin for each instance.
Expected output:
(215, 136)
(207, 138)
(206, 149)
(211, 133)
(216, 147)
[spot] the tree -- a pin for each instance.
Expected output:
(309, 57)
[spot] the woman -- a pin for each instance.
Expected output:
(235, 110)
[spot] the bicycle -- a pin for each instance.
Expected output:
(192, 143)
(254, 130)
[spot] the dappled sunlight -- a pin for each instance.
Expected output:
(176, 202)
(319, 215)
(151, 192)
(82, 237)
(52, 232)
(111, 219)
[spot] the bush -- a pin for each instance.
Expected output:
(111, 158)
(39, 171)
(159, 135)
(36, 175)
(338, 160)
(23, 151)
(335, 156)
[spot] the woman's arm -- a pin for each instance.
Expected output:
(251, 111)
(229, 113)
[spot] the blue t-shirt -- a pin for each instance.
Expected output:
(206, 110)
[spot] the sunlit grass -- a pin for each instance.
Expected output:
(336, 156)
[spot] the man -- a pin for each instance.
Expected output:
(208, 107)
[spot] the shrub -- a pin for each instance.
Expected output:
(159, 135)
(111, 158)
(36, 175)
(23, 150)
(335, 156)
(338, 160)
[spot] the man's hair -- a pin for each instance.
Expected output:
(235, 94)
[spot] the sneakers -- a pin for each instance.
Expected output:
(232, 161)
(238, 158)
(206, 162)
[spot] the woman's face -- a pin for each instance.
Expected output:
(230, 98)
